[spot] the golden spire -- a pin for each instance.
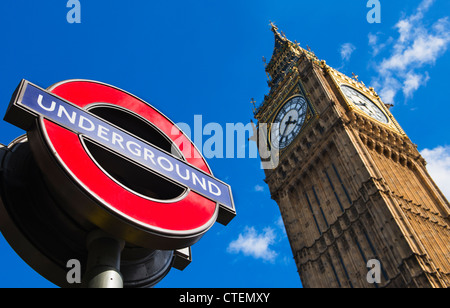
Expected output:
(274, 27)
(279, 38)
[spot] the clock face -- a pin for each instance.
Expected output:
(290, 120)
(364, 103)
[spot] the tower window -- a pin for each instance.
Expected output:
(312, 212)
(334, 191)
(320, 206)
(342, 184)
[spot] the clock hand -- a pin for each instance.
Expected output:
(285, 129)
(291, 122)
(286, 125)
(363, 105)
(288, 122)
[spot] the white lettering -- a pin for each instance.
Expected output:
(186, 177)
(217, 191)
(136, 150)
(116, 138)
(82, 121)
(246, 297)
(149, 155)
(196, 179)
(180, 142)
(199, 298)
(168, 168)
(52, 107)
(71, 118)
(102, 132)
(225, 298)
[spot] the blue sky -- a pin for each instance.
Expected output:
(204, 58)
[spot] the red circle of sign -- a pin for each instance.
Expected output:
(193, 214)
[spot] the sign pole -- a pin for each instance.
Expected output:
(103, 265)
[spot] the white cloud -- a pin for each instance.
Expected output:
(412, 82)
(416, 47)
(376, 44)
(254, 244)
(346, 51)
(373, 39)
(425, 48)
(438, 166)
(259, 188)
(389, 89)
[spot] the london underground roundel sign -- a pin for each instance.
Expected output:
(111, 160)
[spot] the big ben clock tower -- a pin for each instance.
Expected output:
(350, 184)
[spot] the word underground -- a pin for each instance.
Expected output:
(226, 298)
(112, 138)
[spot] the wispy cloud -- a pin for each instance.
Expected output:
(346, 51)
(259, 188)
(417, 46)
(254, 244)
(438, 166)
(375, 42)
